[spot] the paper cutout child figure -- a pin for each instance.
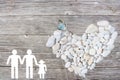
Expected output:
(14, 64)
(30, 59)
(42, 69)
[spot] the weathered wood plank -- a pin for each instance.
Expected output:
(52, 74)
(35, 42)
(20, 41)
(61, 8)
(113, 60)
(98, 74)
(60, 74)
(45, 25)
(26, 24)
(45, 1)
(51, 60)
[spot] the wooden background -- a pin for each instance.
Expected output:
(26, 24)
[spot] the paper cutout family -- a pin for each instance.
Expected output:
(30, 59)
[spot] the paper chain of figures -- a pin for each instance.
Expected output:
(81, 53)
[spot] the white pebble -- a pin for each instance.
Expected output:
(63, 40)
(92, 51)
(67, 64)
(63, 57)
(57, 35)
(56, 47)
(50, 42)
(111, 29)
(91, 28)
(114, 35)
(70, 69)
(103, 23)
(105, 53)
(100, 58)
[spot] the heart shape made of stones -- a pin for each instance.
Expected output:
(81, 53)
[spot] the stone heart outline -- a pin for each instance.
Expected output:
(81, 53)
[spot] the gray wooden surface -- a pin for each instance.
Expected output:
(26, 24)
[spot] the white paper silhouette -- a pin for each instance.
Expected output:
(14, 64)
(42, 69)
(30, 59)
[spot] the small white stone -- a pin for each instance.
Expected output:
(82, 75)
(56, 47)
(68, 47)
(84, 71)
(67, 65)
(58, 55)
(81, 54)
(80, 64)
(103, 23)
(66, 60)
(70, 69)
(63, 57)
(92, 66)
(111, 29)
(114, 35)
(91, 28)
(84, 42)
(66, 33)
(86, 50)
(84, 63)
(102, 40)
(90, 61)
(68, 54)
(106, 37)
(75, 36)
(50, 42)
(101, 29)
(72, 51)
(69, 38)
(95, 47)
(88, 41)
(84, 36)
(74, 40)
(96, 55)
(86, 56)
(82, 59)
(77, 70)
(92, 51)
(57, 35)
(110, 42)
(75, 60)
(96, 39)
(78, 59)
(63, 40)
(99, 51)
(76, 49)
(105, 53)
(78, 43)
(100, 34)
(100, 58)
(110, 47)
(92, 34)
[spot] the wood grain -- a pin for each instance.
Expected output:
(26, 24)
(45, 25)
(89, 7)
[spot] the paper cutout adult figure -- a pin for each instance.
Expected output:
(14, 64)
(42, 69)
(30, 59)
